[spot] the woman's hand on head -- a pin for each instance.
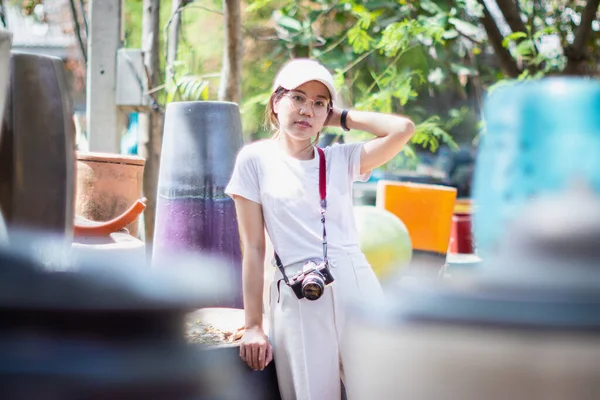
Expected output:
(255, 349)
(334, 118)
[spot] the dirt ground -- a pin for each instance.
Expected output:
(199, 332)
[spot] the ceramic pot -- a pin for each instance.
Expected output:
(5, 46)
(524, 326)
(193, 214)
(461, 241)
(37, 157)
(105, 328)
(107, 185)
(541, 136)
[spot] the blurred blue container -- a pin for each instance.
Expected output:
(541, 137)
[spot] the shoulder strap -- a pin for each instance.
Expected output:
(323, 193)
(322, 177)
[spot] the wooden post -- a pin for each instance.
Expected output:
(151, 122)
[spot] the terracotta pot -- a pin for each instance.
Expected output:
(107, 185)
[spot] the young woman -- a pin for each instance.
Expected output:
(276, 185)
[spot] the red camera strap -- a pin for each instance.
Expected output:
(323, 195)
(322, 177)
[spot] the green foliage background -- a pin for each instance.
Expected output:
(427, 59)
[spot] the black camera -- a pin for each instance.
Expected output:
(311, 281)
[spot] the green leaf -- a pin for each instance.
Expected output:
(429, 134)
(450, 34)
(397, 37)
(257, 5)
(430, 7)
(463, 69)
(359, 39)
(188, 88)
(525, 48)
(259, 101)
(339, 79)
(473, 7)
(288, 23)
(549, 30)
(513, 37)
(465, 27)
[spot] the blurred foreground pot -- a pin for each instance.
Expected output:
(79, 325)
(5, 46)
(526, 327)
(527, 125)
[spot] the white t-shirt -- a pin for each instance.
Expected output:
(288, 190)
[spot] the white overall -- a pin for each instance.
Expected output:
(307, 336)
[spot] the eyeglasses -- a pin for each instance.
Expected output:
(300, 102)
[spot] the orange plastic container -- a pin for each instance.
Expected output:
(426, 210)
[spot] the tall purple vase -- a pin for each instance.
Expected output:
(193, 214)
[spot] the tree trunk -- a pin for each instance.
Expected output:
(510, 10)
(151, 123)
(230, 88)
(173, 39)
(576, 53)
(507, 62)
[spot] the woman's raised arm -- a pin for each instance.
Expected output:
(392, 133)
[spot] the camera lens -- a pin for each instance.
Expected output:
(313, 286)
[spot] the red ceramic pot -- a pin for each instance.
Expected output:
(461, 238)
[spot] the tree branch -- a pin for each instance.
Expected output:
(576, 52)
(85, 19)
(535, 4)
(507, 62)
(78, 29)
(511, 14)
(477, 42)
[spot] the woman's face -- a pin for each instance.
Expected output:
(302, 112)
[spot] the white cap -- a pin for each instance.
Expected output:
(301, 70)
